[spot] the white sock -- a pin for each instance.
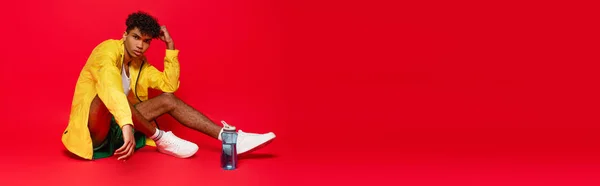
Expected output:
(157, 135)
(221, 132)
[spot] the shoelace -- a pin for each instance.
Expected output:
(248, 134)
(241, 134)
(173, 141)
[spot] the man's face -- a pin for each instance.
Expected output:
(136, 43)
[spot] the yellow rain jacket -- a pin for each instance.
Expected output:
(101, 76)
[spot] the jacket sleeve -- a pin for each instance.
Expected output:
(109, 86)
(168, 80)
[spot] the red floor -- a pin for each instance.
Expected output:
(303, 154)
(357, 92)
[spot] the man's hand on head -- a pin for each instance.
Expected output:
(166, 37)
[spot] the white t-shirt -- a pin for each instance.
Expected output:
(126, 81)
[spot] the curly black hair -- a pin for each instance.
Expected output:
(147, 24)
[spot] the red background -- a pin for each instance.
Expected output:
(357, 92)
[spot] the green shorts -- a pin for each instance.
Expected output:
(114, 140)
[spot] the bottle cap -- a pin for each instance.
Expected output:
(227, 126)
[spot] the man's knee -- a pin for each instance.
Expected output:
(170, 100)
(98, 121)
(97, 107)
(169, 95)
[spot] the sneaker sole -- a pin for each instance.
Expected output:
(177, 156)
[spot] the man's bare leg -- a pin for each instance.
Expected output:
(141, 123)
(99, 125)
(182, 112)
(99, 121)
(190, 117)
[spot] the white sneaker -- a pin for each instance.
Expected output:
(251, 141)
(175, 146)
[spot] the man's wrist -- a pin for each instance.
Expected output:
(127, 127)
(170, 45)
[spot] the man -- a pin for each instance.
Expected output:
(111, 112)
